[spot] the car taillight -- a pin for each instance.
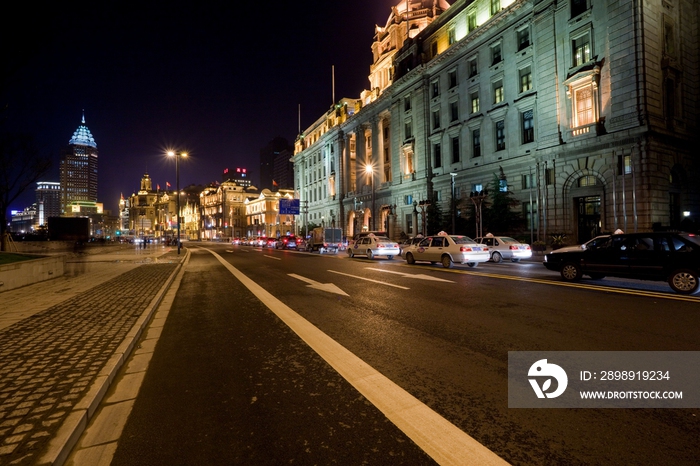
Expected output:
(465, 249)
(380, 245)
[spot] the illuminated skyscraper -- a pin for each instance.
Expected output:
(78, 169)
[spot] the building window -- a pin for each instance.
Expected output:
(474, 98)
(407, 103)
(471, 21)
(454, 111)
(588, 180)
(498, 92)
(581, 50)
(436, 119)
(437, 156)
(530, 215)
(583, 105)
(529, 181)
(578, 7)
(435, 89)
(455, 149)
(525, 79)
(624, 164)
(500, 135)
(496, 54)
(523, 38)
(451, 37)
(495, 6)
(473, 68)
(549, 176)
(476, 143)
(528, 127)
(452, 77)
(434, 49)
(408, 130)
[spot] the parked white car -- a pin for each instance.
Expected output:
(505, 247)
(447, 249)
(372, 246)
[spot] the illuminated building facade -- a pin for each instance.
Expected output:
(48, 201)
(586, 112)
(78, 169)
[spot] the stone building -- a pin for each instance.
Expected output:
(586, 112)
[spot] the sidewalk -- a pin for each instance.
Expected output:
(62, 341)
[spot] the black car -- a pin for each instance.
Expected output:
(658, 256)
(287, 242)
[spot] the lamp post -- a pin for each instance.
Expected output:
(453, 206)
(370, 171)
(477, 197)
(177, 187)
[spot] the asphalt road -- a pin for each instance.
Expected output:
(230, 383)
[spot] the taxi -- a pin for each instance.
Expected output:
(447, 249)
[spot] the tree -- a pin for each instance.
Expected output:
(499, 216)
(435, 221)
(21, 166)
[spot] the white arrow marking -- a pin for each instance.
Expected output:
(410, 275)
(329, 287)
(369, 280)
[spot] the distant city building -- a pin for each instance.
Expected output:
(78, 169)
(25, 221)
(263, 216)
(124, 214)
(48, 201)
(276, 171)
(240, 176)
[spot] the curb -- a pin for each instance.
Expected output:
(61, 446)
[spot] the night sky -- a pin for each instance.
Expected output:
(219, 80)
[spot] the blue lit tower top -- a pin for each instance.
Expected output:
(83, 136)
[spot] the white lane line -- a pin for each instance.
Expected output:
(421, 276)
(369, 280)
(440, 439)
(272, 257)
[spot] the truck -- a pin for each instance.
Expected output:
(326, 240)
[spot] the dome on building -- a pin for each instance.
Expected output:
(399, 11)
(83, 136)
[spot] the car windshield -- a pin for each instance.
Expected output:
(508, 240)
(382, 239)
(462, 240)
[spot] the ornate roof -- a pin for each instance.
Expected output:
(83, 136)
(398, 12)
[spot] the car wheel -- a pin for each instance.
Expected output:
(596, 276)
(496, 257)
(369, 254)
(571, 272)
(447, 262)
(472, 264)
(515, 260)
(410, 259)
(684, 281)
(389, 257)
(352, 254)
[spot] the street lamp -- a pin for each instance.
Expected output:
(370, 171)
(177, 187)
(453, 206)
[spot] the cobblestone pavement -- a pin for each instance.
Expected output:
(56, 364)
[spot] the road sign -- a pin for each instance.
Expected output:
(289, 206)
